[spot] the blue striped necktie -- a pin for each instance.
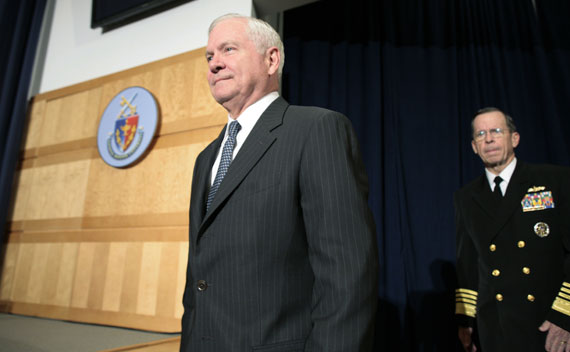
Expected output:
(225, 161)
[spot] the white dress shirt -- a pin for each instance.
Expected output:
(247, 120)
(506, 175)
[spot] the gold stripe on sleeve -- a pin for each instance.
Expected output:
(466, 302)
(562, 302)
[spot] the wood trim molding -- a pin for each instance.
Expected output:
(103, 222)
(92, 316)
(184, 133)
(161, 234)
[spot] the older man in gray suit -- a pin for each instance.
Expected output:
(283, 255)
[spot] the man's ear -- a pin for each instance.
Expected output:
(474, 146)
(515, 139)
(273, 58)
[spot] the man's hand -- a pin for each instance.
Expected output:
(557, 340)
(466, 340)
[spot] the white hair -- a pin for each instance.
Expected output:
(259, 32)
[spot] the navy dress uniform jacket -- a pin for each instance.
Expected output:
(286, 257)
(513, 260)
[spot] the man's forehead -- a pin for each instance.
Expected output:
(221, 44)
(224, 34)
(230, 25)
(490, 118)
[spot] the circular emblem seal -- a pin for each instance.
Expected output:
(127, 126)
(541, 229)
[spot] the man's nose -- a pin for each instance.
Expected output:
(215, 65)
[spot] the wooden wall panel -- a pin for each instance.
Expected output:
(181, 278)
(175, 78)
(70, 122)
(97, 244)
(66, 274)
(21, 291)
(58, 191)
(114, 277)
(148, 283)
(10, 255)
(83, 275)
(51, 273)
(33, 129)
(21, 193)
(154, 185)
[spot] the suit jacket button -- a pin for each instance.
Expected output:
(499, 297)
(521, 244)
(530, 298)
(496, 272)
(492, 248)
(202, 285)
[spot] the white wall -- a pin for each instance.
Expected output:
(76, 53)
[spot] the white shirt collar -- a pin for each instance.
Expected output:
(251, 114)
(247, 120)
(506, 175)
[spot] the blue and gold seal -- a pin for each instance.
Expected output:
(127, 126)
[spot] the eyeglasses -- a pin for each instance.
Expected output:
(494, 132)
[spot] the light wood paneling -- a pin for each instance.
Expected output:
(108, 235)
(136, 321)
(51, 273)
(66, 274)
(8, 271)
(21, 193)
(114, 277)
(34, 128)
(166, 280)
(181, 278)
(148, 283)
(58, 191)
(129, 295)
(21, 291)
(155, 185)
(83, 275)
(70, 118)
(97, 244)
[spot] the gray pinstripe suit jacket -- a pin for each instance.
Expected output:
(286, 257)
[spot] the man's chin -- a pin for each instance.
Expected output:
(221, 98)
(494, 164)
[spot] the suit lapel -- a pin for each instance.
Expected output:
(483, 196)
(203, 175)
(500, 211)
(515, 191)
(256, 144)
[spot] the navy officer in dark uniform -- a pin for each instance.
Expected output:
(513, 246)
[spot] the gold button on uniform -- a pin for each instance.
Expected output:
(521, 244)
(526, 270)
(530, 298)
(499, 297)
(496, 272)
(492, 248)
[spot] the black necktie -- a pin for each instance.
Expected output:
(497, 190)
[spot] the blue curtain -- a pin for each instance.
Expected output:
(410, 74)
(20, 24)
